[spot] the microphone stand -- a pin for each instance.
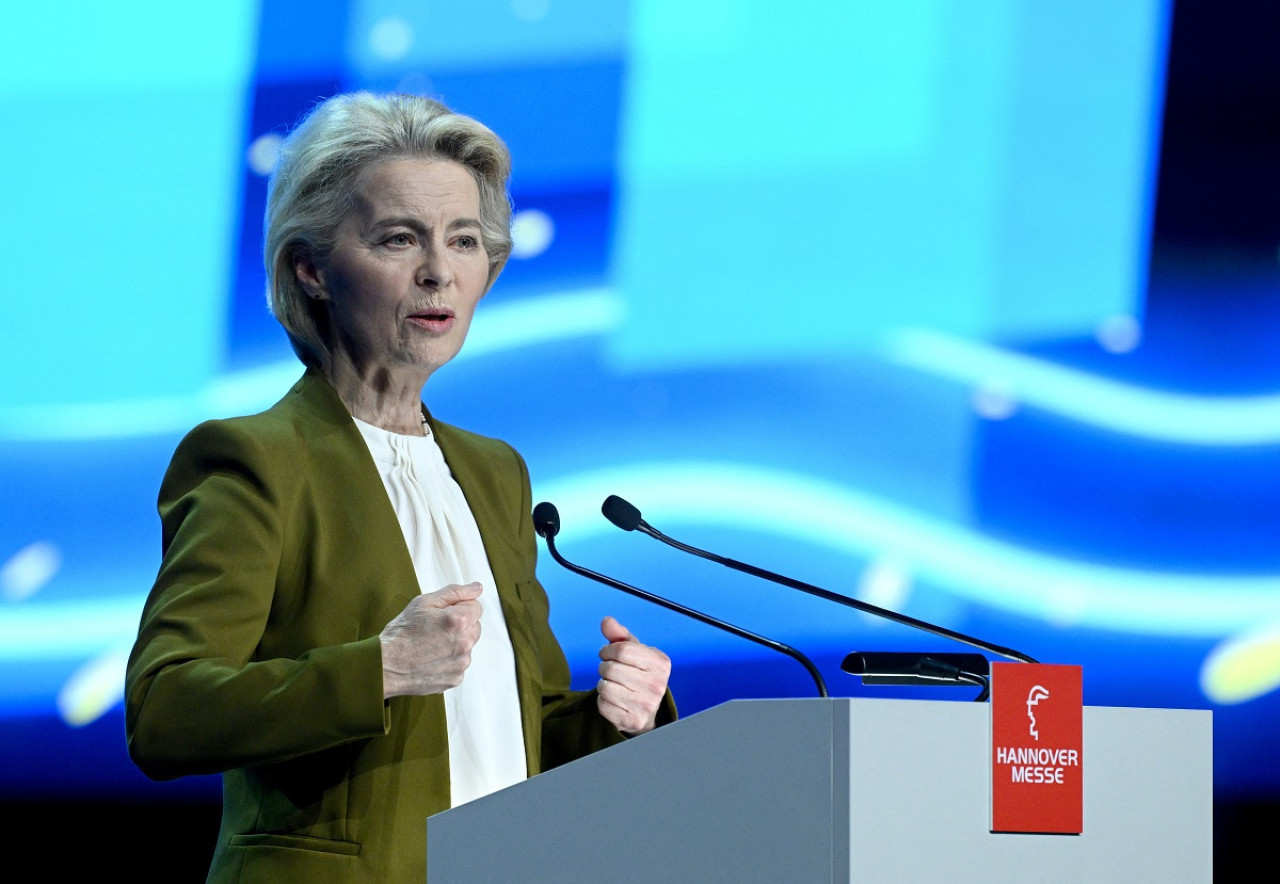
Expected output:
(623, 514)
(547, 527)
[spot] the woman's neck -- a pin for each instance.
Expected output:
(379, 397)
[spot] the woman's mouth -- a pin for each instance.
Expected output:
(433, 319)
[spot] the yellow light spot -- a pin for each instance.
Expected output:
(1243, 667)
(93, 689)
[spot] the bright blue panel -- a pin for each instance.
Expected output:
(934, 166)
(1073, 226)
(119, 218)
(87, 46)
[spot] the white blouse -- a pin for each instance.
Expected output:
(486, 742)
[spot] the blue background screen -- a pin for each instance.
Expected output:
(964, 309)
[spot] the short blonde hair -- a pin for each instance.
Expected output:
(319, 167)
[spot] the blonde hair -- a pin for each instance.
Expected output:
(318, 170)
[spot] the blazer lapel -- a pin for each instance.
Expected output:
(329, 428)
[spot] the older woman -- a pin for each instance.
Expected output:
(346, 621)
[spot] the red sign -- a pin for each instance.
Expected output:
(1037, 751)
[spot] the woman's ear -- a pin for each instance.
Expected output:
(309, 276)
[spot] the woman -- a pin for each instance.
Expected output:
(346, 621)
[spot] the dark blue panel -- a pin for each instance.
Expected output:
(302, 38)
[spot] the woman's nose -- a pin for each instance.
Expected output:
(434, 270)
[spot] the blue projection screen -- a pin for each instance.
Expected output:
(856, 292)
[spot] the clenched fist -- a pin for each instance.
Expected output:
(633, 680)
(426, 649)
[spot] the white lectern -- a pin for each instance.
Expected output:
(838, 790)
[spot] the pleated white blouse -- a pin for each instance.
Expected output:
(486, 745)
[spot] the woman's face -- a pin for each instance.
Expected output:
(408, 269)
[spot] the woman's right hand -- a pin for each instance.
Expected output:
(426, 649)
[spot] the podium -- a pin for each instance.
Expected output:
(838, 790)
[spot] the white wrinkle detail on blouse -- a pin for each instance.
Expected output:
(486, 742)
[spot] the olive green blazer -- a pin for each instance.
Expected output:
(258, 652)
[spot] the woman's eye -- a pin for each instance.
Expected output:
(400, 239)
(468, 242)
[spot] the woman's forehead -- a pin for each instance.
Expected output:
(416, 186)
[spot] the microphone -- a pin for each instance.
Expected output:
(896, 668)
(546, 521)
(628, 518)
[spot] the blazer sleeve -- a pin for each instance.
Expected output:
(200, 696)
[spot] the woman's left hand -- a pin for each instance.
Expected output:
(633, 680)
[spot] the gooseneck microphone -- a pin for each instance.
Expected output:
(628, 518)
(546, 521)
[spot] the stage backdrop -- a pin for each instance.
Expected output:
(858, 292)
